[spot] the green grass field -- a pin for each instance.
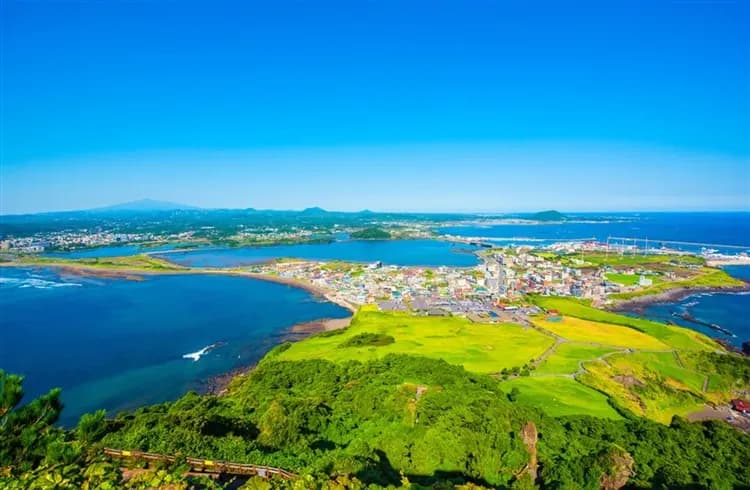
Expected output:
(675, 337)
(628, 260)
(478, 347)
(663, 363)
(646, 376)
(567, 357)
(649, 390)
(132, 262)
(623, 279)
(560, 396)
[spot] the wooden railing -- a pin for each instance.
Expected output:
(205, 465)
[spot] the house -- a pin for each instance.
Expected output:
(741, 405)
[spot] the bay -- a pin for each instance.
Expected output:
(119, 344)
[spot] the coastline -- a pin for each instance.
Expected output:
(639, 304)
(137, 274)
(218, 385)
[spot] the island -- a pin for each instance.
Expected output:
(370, 234)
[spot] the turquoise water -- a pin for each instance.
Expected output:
(118, 344)
(393, 252)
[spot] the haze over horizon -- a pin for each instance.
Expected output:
(384, 106)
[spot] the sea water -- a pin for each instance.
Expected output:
(120, 344)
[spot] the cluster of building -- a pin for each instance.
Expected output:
(73, 240)
(492, 289)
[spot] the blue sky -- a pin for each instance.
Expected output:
(485, 106)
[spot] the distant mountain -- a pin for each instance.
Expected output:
(316, 211)
(548, 216)
(146, 205)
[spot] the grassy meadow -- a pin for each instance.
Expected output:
(560, 396)
(568, 356)
(579, 330)
(673, 336)
(585, 364)
(478, 347)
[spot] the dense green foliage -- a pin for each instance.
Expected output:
(550, 215)
(365, 339)
(385, 422)
(371, 234)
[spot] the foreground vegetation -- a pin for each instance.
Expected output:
(391, 421)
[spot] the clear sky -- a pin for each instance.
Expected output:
(386, 105)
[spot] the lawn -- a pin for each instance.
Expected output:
(623, 279)
(567, 357)
(676, 337)
(577, 329)
(478, 347)
(560, 396)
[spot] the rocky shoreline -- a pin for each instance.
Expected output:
(639, 305)
(218, 385)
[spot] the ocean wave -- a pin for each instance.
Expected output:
(36, 283)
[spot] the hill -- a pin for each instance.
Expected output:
(548, 216)
(371, 234)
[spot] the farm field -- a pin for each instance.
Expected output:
(595, 364)
(567, 357)
(576, 329)
(675, 337)
(478, 347)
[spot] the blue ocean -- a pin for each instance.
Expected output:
(714, 230)
(119, 344)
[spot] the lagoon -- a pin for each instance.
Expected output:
(119, 344)
(431, 253)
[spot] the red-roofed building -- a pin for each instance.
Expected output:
(741, 405)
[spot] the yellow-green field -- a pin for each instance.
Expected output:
(567, 357)
(140, 262)
(579, 330)
(478, 347)
(642, 390)
(651, 369)
(675, 337)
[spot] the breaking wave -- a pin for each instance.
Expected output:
(36, 283)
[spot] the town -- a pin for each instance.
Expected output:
(495, 289)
